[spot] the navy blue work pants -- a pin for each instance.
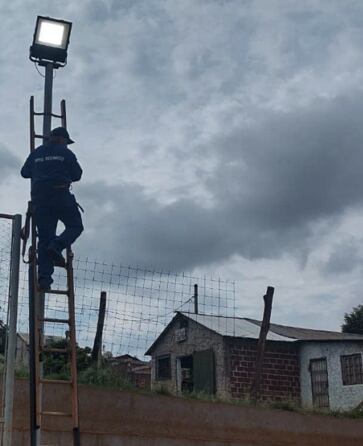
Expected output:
(48, 210)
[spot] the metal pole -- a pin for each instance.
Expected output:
(36, 299)
(48, 93)
(32, 294)
(39, 297)
(32, 377)
(13, 315)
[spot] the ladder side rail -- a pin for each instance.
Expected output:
(72, 323)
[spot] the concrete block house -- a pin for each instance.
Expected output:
(216, 355)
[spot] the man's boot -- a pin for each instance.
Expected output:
(56, 255)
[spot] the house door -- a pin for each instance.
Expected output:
(185, 374)
(319, 382)
(204, 372)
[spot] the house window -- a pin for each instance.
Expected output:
(352, 369)
(163, 367)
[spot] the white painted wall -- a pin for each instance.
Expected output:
(340, 397)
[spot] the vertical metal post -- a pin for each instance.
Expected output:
(32, 340)
(34, 428)
(39, 297)
(48, 94)
(13, 315)
(36, 300)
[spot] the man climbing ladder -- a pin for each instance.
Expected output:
(52, 168)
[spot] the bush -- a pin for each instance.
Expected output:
(104, 377)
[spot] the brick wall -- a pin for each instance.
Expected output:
(142, 380)
(280, 373)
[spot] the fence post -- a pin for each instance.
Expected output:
(195, 298)
(97, 346)
(13, 314)
(265, 326)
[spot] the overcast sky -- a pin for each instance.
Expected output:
(216, 136)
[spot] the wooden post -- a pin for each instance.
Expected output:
(97, 346)
(195, 298)
(265, 326)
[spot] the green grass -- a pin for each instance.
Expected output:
(162, 390)
(105, 377)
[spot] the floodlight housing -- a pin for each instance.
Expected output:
(50, 41)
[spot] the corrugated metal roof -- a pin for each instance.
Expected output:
(250, 328)
(308, 334)
(235, 327)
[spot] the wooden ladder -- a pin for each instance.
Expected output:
(37, 319)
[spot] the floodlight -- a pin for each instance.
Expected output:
(50, 42)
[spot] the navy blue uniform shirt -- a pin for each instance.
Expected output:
(50, 166)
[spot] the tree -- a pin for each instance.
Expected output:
(353, 322)
(58, 363)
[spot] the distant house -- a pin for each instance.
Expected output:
(216, 355)
(136, 371)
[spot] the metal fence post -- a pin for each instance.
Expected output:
(11, 344)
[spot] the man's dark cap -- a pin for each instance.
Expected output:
(61, 131)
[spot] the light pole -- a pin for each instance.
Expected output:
(49, 50)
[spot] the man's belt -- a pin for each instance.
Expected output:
(61, 186)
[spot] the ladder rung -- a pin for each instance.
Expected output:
(52, 319)
(55, 381)
(54, 350)
(38, 136)
(49, 114)
(57, 292)
(56, 414)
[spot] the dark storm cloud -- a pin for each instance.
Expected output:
(290, 169)
(273, 180)
(133, 228)
(344, 258)
(9, 164)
